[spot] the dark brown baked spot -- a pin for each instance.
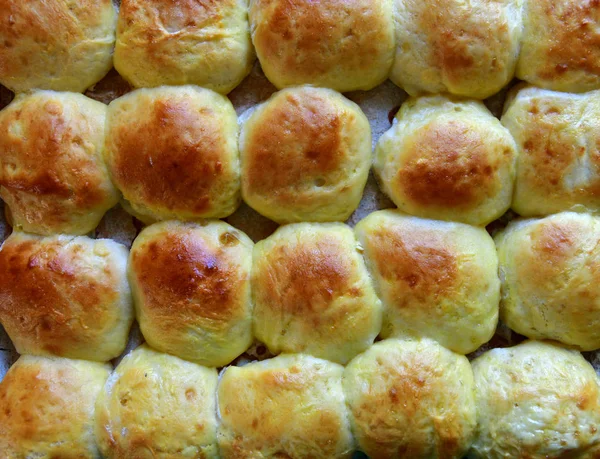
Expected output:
(420, 263)
(168, 154)
(182, 276)
(574, 40)
(298, 141)
(448, 166)
(45, 301)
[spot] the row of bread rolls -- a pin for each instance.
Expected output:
(471, 49)
(204, 292)
(401, 398)
(303, 155)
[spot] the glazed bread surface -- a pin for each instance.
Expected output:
(558, 142)
(47, 408)
(464, 48)
(191, 286)
(411, 399)
(560, 47)
(53, 178)
(313, 294)
(535, 400)
(66, 296)
(305, 156)
(172, 151)
(206, 43)
(158, 406)
(288, 406)
(549, 269)
(64, 45)
(344, 46)
(448, 159)
(436, 279)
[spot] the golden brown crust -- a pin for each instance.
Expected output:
(50, 44)
(47, 408)
(411, 399)
(291, 406)
(65, 296)
(305, 156)
(423, 262)
(561, 45)
(308, 279)
(344, 46)
(468, 49)
(436, 279)
(558, 167)
(52, 175)
(203, 42)
(314, 124)
(157, 402)
(549, 269)
(192, 290)
(535, 400)
(447, 159)
(173, 154)
(448, 166)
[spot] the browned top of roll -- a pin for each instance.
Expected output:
(51, 171)
(65, 296)
(561, 45)
(172, 152)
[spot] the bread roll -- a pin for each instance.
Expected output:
(65, 296)
(535, 400)
(447, 159)
(162, 42)
(550, 270)
(173, 153)
(191, 286)
(558, 139)
(64, 45)
(411, 399)
(47, 408)
(290, 406)
(464, 48)
(436, 279)
(157, 406)
(345, 46)
(305, 155)
(52, 174)
(560, 48)
(312, 293)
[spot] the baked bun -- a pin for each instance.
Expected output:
(52, 174)
(447, 159)
(290, 406)
(162, 42)
(191, 286)
(65, 296)
(172, 151)
(559, 47)
(344, 46)
(535, 400)
(436, 279)
(464, 48)
(305, 156)
(156, 405)
(411, 399)
(549, 270)
(47, 408)
(313, 294)
(55, 44)
(558, 139)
